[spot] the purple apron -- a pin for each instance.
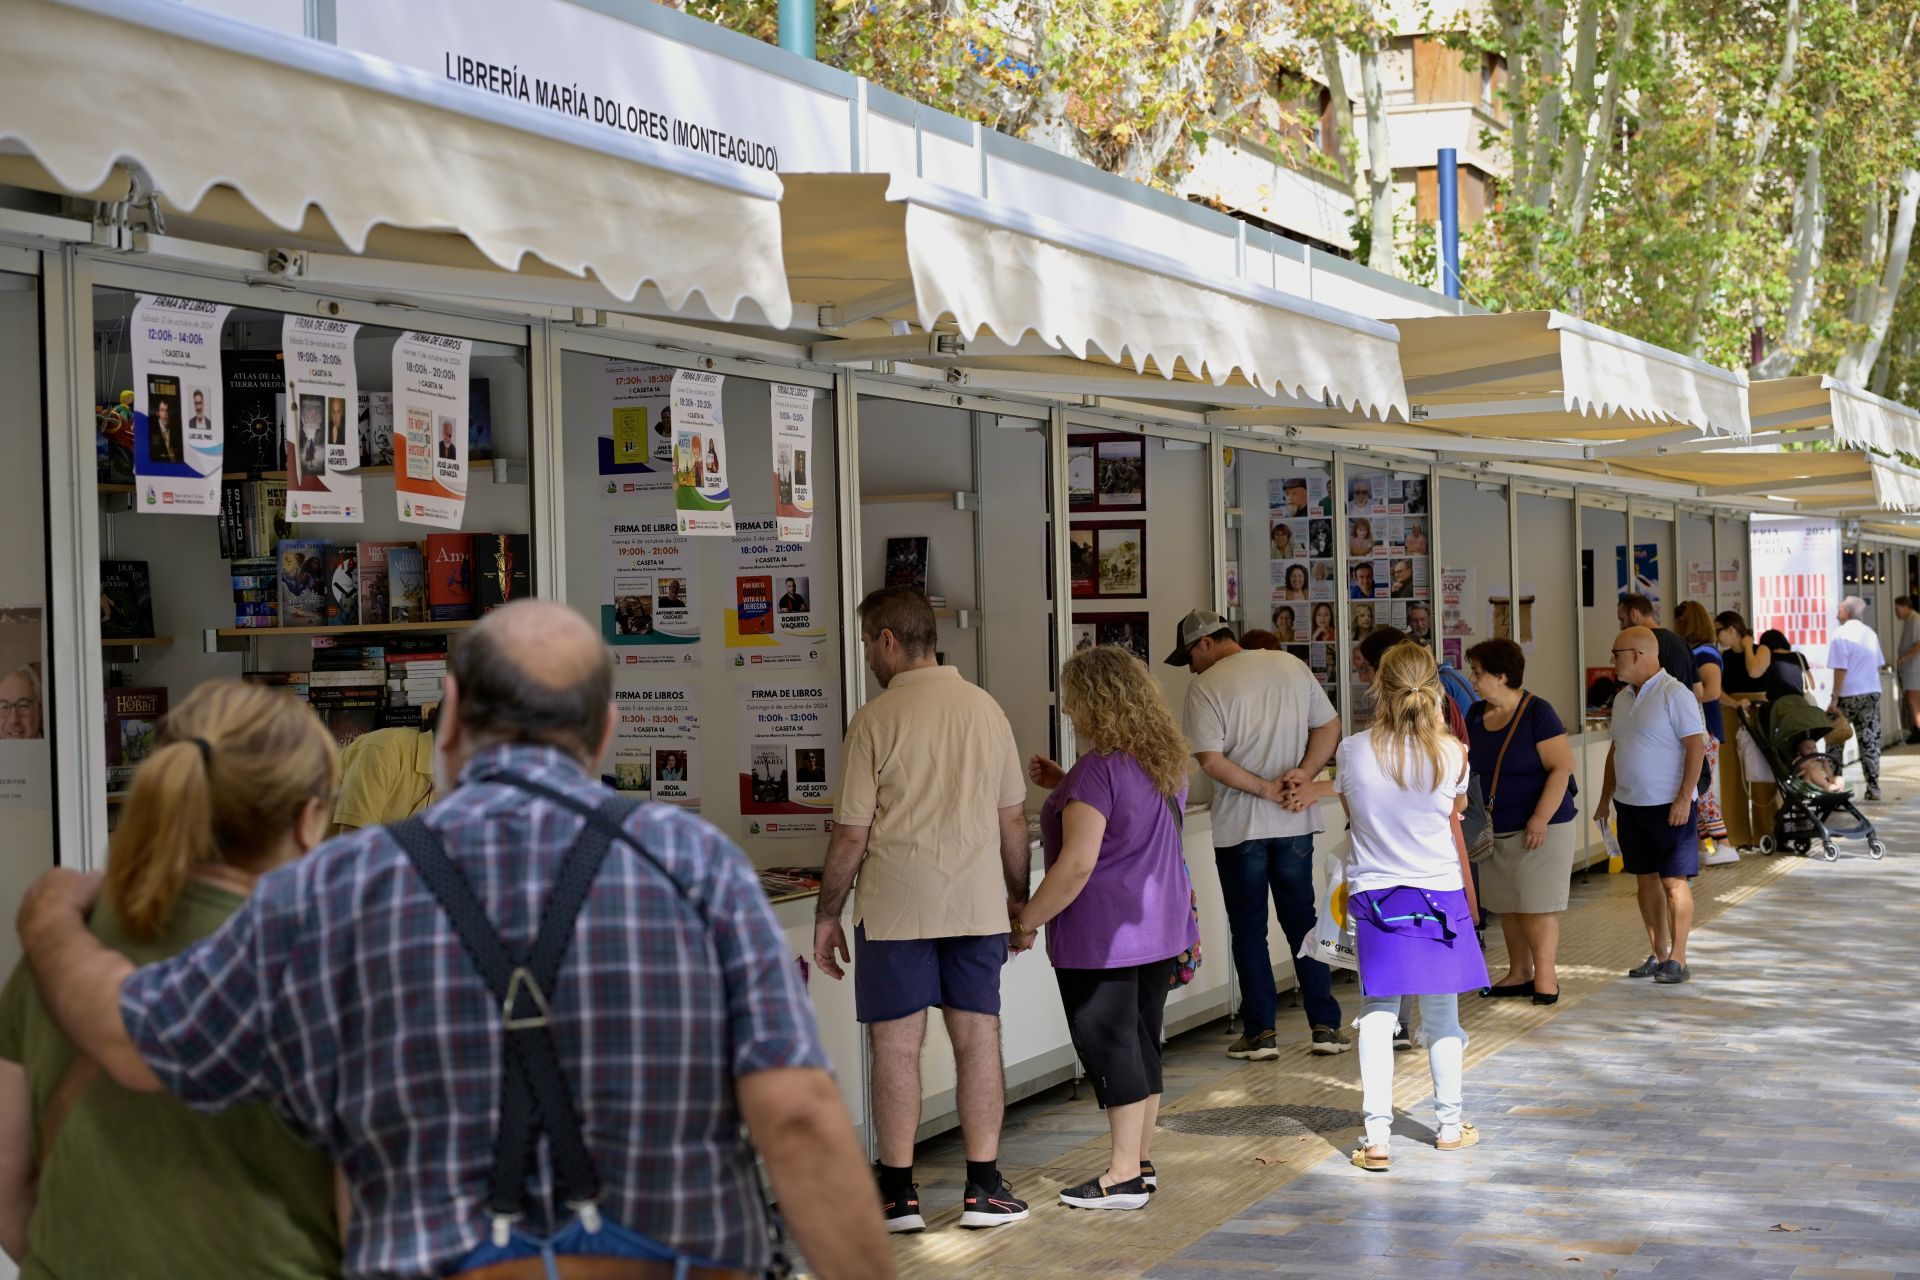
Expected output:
(1416, 942)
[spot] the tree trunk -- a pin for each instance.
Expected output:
(1602, 146)
(1346, 140)
(1586, 49)
(1552, 15)
(1809, 233)
(1519, 107)
(1379, 162)
(1049, 126)
(1858, 362)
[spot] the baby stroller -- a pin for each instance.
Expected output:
(1806, 809)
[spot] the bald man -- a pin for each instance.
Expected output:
(412, 999)
(1653, 771)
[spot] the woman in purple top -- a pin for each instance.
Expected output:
(1117, 902)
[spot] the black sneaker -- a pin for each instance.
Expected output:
(1646, 969)
(1263, 1047)
(991, 1207)
(1403, 1037)
(1327, 1040)
(1672, 973)
(903, 1212)
(1131, 1194)
(1148, 1176)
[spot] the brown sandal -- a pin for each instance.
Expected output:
(1469, 1136)
(1371, 1163)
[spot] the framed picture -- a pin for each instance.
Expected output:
(1109, 559)
(1106, 473)
(1127, 630)
(1082, 564)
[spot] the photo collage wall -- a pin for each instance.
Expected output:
(1387, 525)
(1106, 479)
(1304, 593)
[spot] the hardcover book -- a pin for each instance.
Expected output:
(450, 586)
(256, 386)
(126, 600)
(343, 585)
(303, 590)
(753, 605)
(907, 563)
(133, 721)
(372, 558)
(406, 585)
(500, 563)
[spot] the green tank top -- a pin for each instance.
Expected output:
(137, 1185)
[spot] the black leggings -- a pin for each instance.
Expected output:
(1115, 1016)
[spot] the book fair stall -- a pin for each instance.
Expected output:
(308, 422)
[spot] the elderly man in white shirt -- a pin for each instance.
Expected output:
(1653, 772)
(1855, 656)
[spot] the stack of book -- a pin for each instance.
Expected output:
(253, 518)
(416, 669)
(347, 687)
(294, 682)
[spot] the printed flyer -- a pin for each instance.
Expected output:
(702, 502)
(323, 441)
(772, 616)
(647, 605)
(793, 461)
(636, 426)
(790, 752)
(656, 745)
(430, 411)
(179, 446)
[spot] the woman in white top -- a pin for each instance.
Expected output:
(1404, 783)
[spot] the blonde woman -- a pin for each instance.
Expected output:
(1403, 783)
(1117, 902)
(240, 782)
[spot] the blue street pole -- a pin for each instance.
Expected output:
(1450, 221)
(796, 27)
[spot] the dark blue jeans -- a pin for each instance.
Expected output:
(1284, 865)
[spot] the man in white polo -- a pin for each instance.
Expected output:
(1653, 771)
(1855, 655)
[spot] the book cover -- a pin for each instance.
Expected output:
(303, 578)
(346, 712)
(372, 558)
(126, 600)
(450, 587)
(256, 391)
(479, 420)
(907, 563)
(406, 585)
(753, 604)
(343, 585)
(501, 569)
(133, 722)
(267, 525)
(376, 429)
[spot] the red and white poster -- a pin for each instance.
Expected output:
(430, 428)
(1796, 588)
(323, 420)
(790, 758)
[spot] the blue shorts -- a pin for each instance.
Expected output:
(898, 978)
(1651, 846)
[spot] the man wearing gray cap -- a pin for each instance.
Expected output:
(1855, 656)
(1252, 717)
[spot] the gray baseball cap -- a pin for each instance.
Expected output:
(1196, 626)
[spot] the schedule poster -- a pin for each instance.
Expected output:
(430, 428)
(656, 744)
(772, 619)
(647, 601)
(702, 502)
(323, 402)
(636, 426)
(793, 461)
(179, 447)
(790, 754)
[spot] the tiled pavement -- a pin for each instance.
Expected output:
(1631, 1129)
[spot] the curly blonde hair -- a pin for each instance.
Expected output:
(1409, 718)
(1116, 705)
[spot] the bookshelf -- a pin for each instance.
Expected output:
(360, 629)
(137, 642)
(958, 500)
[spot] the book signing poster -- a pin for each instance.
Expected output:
(323, 447)
(636, 426)
(790, 747)
(772, 616)
(179, 448)
(793, 461)
(702, 502)
(646, 604)
(655, 744)
(430, 416)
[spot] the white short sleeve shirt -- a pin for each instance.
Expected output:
(1855, 649)
(1650, 729)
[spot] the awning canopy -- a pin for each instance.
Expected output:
(1856, 418)
(236, 124)
(1831, 482)
(1012, 300)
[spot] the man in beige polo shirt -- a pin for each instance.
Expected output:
(930, 817)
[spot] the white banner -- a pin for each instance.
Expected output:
(656, 745)
(323, 433)
(793, 461)
(1796, 589)
(179, 443)
(636, 425)
(647, 598)
(774, 618)
(790, 759)
(430, 428)
(702, 501)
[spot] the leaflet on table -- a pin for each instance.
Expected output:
(179, 447)
(702, 502)
(656, 745)
(646, 602)
(793, 461)
(430, 428)
(790, 753)
(636, 426)
(772, 614)
(323, 398)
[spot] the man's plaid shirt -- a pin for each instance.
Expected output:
(341, 995)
